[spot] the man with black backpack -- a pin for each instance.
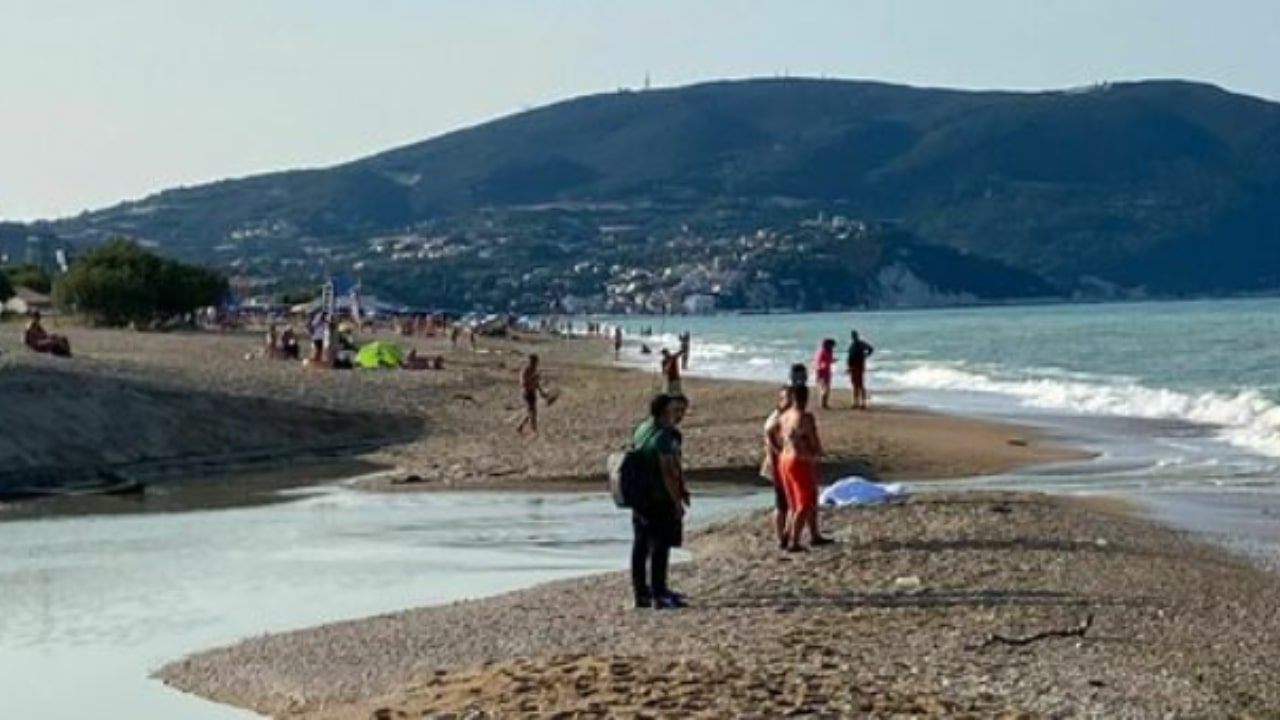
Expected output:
(658, 504)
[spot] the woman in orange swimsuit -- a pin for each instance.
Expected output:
(798, 466)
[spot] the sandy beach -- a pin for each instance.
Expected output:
(979, 605)
(170, 405)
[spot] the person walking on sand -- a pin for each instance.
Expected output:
(798, 466)
(531, 388)
(823, 361)
(671, 373)
(617, 343)
(856, 366)
(769, 468)
(657, 520)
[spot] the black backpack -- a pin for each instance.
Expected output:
(630, 475)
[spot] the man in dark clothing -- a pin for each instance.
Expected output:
(856, 367)
(658, 520)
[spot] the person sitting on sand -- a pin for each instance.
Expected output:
(530, 389)
(798, 466)
(769, 468)
(671, 373)
(289, 349)
(823, 361)
(657, 521)
(40, 340)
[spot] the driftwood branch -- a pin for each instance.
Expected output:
(998, 639)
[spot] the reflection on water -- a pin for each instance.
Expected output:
(90, 605)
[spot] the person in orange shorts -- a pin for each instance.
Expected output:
(798, 466)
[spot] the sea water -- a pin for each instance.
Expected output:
(1180, 400)
(90, 606)
(1199, 380)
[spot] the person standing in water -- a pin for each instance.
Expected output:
(657, 520)
(530, 389)
(798, 466)
(823, 362)
(856, 366)
(685, 340)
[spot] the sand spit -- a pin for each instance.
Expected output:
(977, 605)
(190, 402)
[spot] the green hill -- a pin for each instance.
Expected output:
(1163, 187)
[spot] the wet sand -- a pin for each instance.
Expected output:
(970, 605)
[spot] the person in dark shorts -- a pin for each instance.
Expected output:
(769, 468)
(530, 389)
(657, 520)
(856, 367)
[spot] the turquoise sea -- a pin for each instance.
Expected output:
(1171, 393)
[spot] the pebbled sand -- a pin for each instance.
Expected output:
(1179, 630)
(179, 403)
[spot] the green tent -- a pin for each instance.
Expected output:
(378, 354)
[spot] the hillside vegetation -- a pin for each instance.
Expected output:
(1161, 187)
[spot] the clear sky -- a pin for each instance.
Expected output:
(107, 100)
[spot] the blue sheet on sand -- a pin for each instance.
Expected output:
(859, 491)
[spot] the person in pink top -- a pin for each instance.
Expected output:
(823, 361)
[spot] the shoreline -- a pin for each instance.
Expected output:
(948, 603)
(975, 567)
(161, 407)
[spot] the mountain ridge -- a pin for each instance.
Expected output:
(1126, 185)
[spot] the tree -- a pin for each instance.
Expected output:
(119, 282)
(29, 276)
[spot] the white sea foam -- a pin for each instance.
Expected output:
(1246, 419)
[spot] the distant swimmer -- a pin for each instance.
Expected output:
(823, 361)
(856, 366)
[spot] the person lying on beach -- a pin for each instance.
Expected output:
(40, 340)
(531, 388)
(413, 361)
(769, 468)
(657, 521)
(798, 467)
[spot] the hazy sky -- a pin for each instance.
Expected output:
(106, 100)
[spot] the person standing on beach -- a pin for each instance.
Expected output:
(685, 340)
(671, 373)
(530, 389)
(798, 467)
(823, 362)
(617, 343)
(769, 468)
(856, 366)
(657, 521)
